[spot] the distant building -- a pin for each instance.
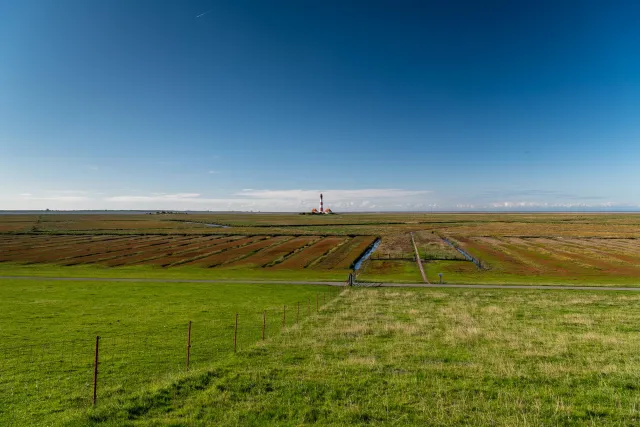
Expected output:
(322, 210)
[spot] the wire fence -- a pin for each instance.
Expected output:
(62, 375)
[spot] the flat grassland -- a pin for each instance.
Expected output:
(48, 332)
(599, 249)
(420, 357)
(382, 356)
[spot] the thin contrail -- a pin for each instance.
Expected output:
(204, 13)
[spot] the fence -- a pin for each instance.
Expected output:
(77, 374)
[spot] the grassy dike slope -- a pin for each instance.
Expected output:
(48, 330)
(421, 357)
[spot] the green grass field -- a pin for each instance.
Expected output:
(391, 271)
(187, 273)
(420, 357)
(467, 273)
(48, 335)
(370, 356)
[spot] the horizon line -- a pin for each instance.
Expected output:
(430, 211)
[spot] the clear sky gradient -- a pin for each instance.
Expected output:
(260, 105)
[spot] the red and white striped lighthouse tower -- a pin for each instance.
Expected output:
(321, 207)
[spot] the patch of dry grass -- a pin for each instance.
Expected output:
(434, 357)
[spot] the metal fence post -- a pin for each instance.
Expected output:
(95, 371)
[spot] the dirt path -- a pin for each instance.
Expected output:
(415, 248)
(293, 282)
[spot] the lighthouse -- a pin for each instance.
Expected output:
(321, 210)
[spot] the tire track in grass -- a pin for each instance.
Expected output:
(418, 261)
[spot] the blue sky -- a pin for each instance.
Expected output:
(255, 105)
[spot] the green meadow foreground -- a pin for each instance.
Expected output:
(49, 328)
(419, 357)
(370, 355)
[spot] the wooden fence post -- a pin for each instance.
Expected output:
(95, 371)
(235, 336)
(284, 316)
(188, 344)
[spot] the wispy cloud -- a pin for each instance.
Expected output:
(281, 200)
(337, 195)
(204, 13)
(300, 200)
(536, 194)
(54, 192)
(60, 198)
(158, 197)
(59, 195)
(519, 204)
